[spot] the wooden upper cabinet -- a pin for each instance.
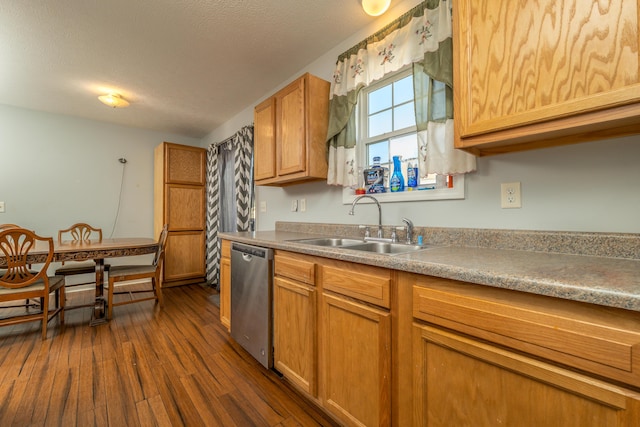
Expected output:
(291, 129)
(536, 74)
(290, 133)
(184, 164)
(265, 140)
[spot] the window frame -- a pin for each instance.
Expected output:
(348, 194)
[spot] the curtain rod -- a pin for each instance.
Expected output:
(232, 137)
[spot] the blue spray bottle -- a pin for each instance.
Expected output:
(396, 183)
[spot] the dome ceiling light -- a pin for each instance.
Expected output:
(375, 7)
(113, 100)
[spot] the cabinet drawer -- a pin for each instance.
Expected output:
(295, 267)
(588, 337)
(369, 284)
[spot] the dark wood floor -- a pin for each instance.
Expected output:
(171, 367)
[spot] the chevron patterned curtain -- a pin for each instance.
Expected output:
(223, 192)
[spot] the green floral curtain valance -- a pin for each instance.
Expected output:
(420, 36)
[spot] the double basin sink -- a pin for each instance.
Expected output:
(387, 248)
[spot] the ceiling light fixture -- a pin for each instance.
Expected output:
(113, 100)
(375, 7)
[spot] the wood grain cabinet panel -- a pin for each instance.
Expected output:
(599, 340)
(544, 73)
(179, 201)
(184, 258)
(301, 270)
(366, 283)
(356, 362)
(184, 206)
(225, 284)
(461, 381)
(264, 125)
(184, 164)
(295, 339)
(290, 130)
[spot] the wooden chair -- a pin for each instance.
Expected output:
(124, 273)
(79, 232)
(19, 282)
(27, 303)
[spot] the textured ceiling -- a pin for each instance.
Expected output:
(186, 66)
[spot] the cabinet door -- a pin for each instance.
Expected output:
(184, 257)
(356, 362)
(265, 140)
(294, 336)
(459, 381)
(291, 129)
(184, 164)
(184, 207)
(225, 292)
(519, 64)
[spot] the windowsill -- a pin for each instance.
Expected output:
(457, 192)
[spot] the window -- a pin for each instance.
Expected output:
(387, 128)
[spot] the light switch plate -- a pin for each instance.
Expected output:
(1, 207)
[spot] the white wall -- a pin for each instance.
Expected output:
(57, 170)
(584, 187)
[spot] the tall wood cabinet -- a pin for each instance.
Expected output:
(537, 74)
(290, 130)
(179, 201)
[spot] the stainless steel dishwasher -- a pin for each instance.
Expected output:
(251, 280)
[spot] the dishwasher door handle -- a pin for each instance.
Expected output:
(247, 257)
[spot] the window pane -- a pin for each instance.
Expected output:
(380, 99)
(404, 116)
(380, 149)
(405, 146)
(380, 123)
(403, 90)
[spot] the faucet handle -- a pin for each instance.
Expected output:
(367, 232)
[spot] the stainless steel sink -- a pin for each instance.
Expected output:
(386, 248)
(330, 241)
(362, 245)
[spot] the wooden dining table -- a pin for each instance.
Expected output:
(98, 251)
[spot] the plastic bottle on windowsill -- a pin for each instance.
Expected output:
(396, 183)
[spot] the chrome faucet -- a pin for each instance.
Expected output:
(409, 229)
(357, 199)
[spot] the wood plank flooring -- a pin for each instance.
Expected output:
(171, 367)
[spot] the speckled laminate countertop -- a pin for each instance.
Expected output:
(603, 280)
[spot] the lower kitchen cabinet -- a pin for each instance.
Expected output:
(225, 284)
(332, 335)
(294, 325)
(377, 347)
(356, 362)
(184, 259)
(461, 381)
(295, 339)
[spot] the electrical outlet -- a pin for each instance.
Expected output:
(294, 205)
(263, 206)
(1, 207)
(511, 196)
(303, 205)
